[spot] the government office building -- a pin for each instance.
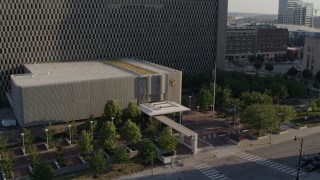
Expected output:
(180, 34)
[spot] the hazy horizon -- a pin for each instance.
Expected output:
(261, 6)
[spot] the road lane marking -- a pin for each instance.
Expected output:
(268, 163)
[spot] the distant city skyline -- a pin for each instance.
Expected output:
(261, 6)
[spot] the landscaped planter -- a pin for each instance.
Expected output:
(234, 142)
(281, 132)
(4, 175)
(132, 153)
(258, 138)
(165, 159)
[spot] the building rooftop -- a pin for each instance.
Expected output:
(53, 73)
(291, 27)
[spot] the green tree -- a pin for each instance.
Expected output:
(6, 164)
(292, 72)
(260, 58)
(307, 74)
(131, 112)
(148, 151)
(249, 98)
(223, 99)
(120, 155)
(277, 58)
(296, 89)
(33, 156)
(268, 67)
(112, 109)
(259, 117)
(60, 153)
(85, 145)
(314, 106)
(252, 59)
(257, 65)
(28, 139)
(152, 126)
(279, 91)
(131, 132)
(97, 163)
(88, 125)
(205, 99)
(107, 136)
(317, 77)
(285, 113)
(3, 143)
(41, 172)
(167, 142)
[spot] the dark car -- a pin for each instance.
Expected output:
(313, 166)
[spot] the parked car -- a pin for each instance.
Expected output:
(8, 122)
(304, 162)
(313, 166)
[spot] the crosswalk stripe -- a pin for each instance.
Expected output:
(201, 165)
(272, 164)
(277, 166)
(210, 172)
(217, 176)
(268, 163)
(286, 169)
(291, 171)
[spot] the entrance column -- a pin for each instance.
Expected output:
(181, 138)
(194, 143)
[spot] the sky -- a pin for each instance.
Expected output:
(261, 6)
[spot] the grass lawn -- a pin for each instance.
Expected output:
(308, 113)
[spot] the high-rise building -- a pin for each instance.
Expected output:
(184, 34)
(295, 12)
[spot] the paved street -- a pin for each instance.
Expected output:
(252, 160)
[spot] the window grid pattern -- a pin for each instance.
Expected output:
(179, 34)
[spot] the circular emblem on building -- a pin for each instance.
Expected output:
(173, 82)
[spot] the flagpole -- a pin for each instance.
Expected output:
(214, 87)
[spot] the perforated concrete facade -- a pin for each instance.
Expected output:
(182, 34)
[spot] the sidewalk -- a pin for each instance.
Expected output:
(275, 139)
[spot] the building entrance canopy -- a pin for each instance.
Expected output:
(160, 108)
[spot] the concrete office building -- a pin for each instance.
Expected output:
(55, 92)
(311, 54)
(255, 39)
(184, 34)
(295, 12)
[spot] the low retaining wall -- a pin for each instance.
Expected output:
(66, 170)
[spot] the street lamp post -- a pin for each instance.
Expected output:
(190, 101)
(271, 132)
(198, 107)
(211, 110)
(301, 144)
(91, 128)
(69, 126)
(46, 130)
(112, 119)
(24, 149)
